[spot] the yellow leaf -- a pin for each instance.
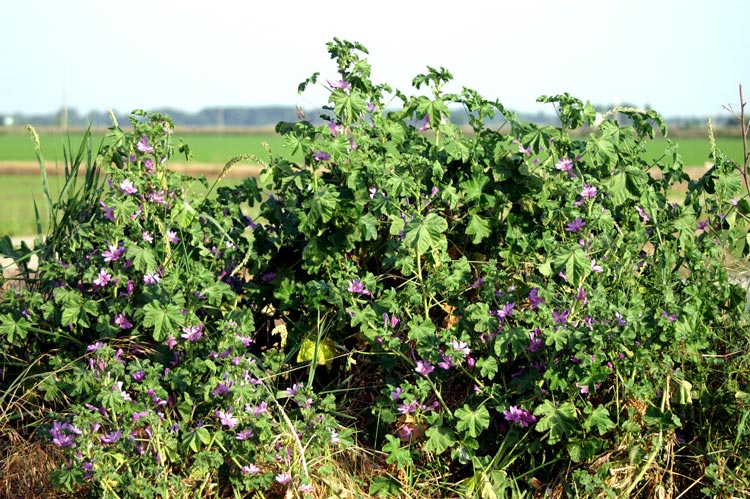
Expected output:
(326, 352)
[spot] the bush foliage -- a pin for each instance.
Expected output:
(500, 312)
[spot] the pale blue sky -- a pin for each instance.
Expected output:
(681, 57)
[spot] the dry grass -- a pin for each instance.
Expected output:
(25, 464)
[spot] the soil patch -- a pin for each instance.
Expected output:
(209, 170)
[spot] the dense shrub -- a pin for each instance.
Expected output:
(505, 311)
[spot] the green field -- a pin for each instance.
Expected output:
(206, 148)
(18, 192)
(219, 148)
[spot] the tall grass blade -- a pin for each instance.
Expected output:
(43, 168)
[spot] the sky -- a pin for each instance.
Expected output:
(680, 57)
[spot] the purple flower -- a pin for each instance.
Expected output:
(122, 321)
(245, 434)
(446, 362)
(575, 225)
(103, 278)
(670, 317)
(283, 478)
(589, 191)
(139, 375)
(408, 408)
(127, 187)
(334, 436)
(425, 123)
(620, 320)
(147, 237)
(560, 317)
(109, 212)
(192, 333)
(151, 278)
(94, 346)
(125, 395)
(524, 150)
(292, 390)
(595, 267)
(226, 418)
(257, 410)
(582, 296)
(536, 342)
(335, 128)
(505, 312)
(63, 434)
(343, 85)
(149, 164)
(370, 107)
(395, 395)
(144, 146)
(222, 389)
(321, 156)
(172, 237)
(644, 216)
(460, 347)
(535, 299)
(392, 322)
(246, 340)
(424, 367)
(113, 253)
(139, 415)
(111, 437)
(564, 164)
(356, 286)
(250, 469)
(519, 416)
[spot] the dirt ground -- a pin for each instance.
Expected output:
(209, 170)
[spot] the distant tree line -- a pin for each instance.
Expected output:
(247, 117)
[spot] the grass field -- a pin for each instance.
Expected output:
(206, 147)
(18, 192)
(219, 148)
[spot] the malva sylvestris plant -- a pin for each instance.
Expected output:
(498, 308)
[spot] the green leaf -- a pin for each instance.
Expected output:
(479, 228)
(599, 419)
(441, 438)
(583, 450)
(617, 188)
(472, 421)
(474, 187)
(348, 105)
(487, 367)
(164, 320)
(421, 328)
(320, 209)
(369, 226)
(13, 330)
(384, 486)
(575, 263)
(216, 292)
(603, 151)
(424, 234)
(397, 454)
(143, 258)
(556, 421)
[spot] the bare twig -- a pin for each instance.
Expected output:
(744, 127)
